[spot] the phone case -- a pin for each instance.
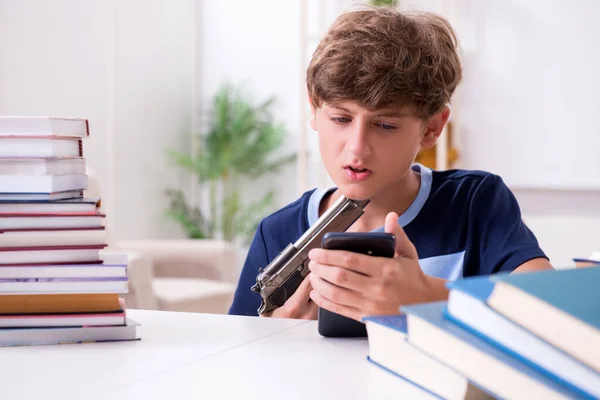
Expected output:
(377, 244)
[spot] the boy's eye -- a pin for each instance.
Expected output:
(387, 127)
(340, 120)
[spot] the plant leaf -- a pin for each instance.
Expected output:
(191, 219)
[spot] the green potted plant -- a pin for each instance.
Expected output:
(241, 145)
(392, 3)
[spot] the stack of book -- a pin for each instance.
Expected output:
(517, 336)
(591, 261)
(56, 284)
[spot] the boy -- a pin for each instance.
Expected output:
(379, 84)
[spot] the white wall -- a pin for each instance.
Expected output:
(526, 111)
(128, 66)
(154, 82)
(255, 44)
(531, 91)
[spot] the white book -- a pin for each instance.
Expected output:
(475, 314)
(43, 126)
(389, 348)
(49, 255)
(31, 321)
(71, 194)
(63, 271)
(43, 166)
(496, 371)
(79, 205)
(40, 147)
(63, 335)
(66, 237)
(62, 286)
(42, 183)
(50, 221)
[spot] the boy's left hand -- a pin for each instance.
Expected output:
(357, 285)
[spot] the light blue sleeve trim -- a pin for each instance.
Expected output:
(314, 202)
(416, 206)
(447, 266)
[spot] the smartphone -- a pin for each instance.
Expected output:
(378, 244)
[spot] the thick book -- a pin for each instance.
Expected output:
(50, 255)
(481, 362)
(18, 221)
(69, 335)
(70, 319)
(467, 306)
(16, 147)
(54, 237)
(42, 183)
(76, 205)
(59, 303)
(43, 166)
(41, 271)
(592, 261)
(561, 307)
(26, 197)
(63, 285)
(44, 126)
(390, 350)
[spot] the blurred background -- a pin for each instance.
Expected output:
(199, 119)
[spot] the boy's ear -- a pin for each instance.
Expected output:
(434, 127)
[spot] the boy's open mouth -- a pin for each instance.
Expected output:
(357, 169)
(357, 173)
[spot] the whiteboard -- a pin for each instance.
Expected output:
(529, 104)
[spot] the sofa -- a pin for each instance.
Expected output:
(181, 275)
(186, 275)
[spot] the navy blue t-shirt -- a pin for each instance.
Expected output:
(462, 223)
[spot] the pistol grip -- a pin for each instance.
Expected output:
(289, 287)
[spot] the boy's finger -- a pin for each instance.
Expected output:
(404, 246)
(303, 290)
(357, 262)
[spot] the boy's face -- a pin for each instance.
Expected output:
(366, 152)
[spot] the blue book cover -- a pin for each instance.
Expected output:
(395, 374)
(467, 307)
(396, 322)
(574, 291)
(480, 287)
(434, 314)
(409, 370)
(586, 260)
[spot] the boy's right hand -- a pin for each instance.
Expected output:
(298, 306)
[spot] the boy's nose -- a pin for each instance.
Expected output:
(357, 143)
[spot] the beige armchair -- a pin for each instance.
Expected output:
(189, 275)
(177, 275)
(140, 276)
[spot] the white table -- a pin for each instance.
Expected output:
(202, 356)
